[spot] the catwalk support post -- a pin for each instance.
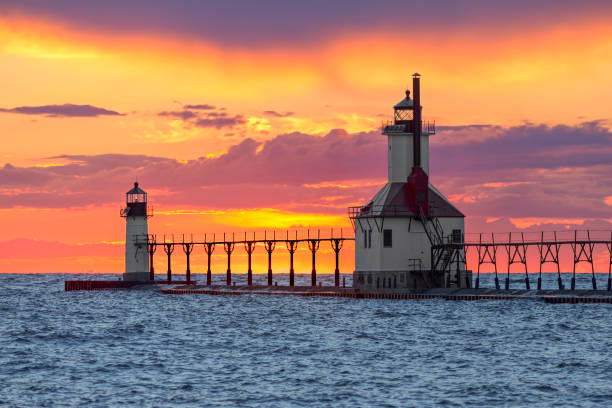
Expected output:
(152, 246)
(583, 252)
(291, 247)
(228, 247)
(188, 249)
(209, 247)
(336, 247)
(269, 246)
(249, 247)
(169, 249)
(516, 250)
(549, 252)
(487, 254)
(313, 245)
(609, 245)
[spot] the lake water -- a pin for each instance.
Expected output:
(144, 348)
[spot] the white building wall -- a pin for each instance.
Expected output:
(400, 160)
(409, 241)
(136, 251)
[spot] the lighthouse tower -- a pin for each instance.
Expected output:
(136, 235)
(399, 232)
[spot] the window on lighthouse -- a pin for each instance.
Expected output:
(387, 238)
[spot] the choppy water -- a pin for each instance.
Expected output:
(143, 348)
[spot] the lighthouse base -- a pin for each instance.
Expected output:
(413, 280)
(136, 276)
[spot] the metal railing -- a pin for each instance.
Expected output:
(379, 210)
(390, 126)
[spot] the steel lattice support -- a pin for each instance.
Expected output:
(209, 248)
(313, 246)
(169, 249)
(336, 247)
(549, 252)
(152, 247)
(609, 246)
(517, 253)
(468, 283)
(291, 247)
(583, 252)
(487, 254)
(249, 247)
(269, 246)
(188, 249)
(228, 247)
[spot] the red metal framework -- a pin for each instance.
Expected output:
(292, 246)
(583, 252)
(169, 249)
(249, 247)
(548, 244)
(609, 247)
(188, 249)
(151, 247)
(209, 247)
(549, 252)
(487, 254)
(313, 245)
(269, 243)
(228, 247)
(517, 253)
(336, 247)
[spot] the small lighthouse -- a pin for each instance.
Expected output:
(136, 235)
(399, 232)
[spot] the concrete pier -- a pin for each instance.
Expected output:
(465, 294)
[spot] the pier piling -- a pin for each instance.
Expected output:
(336, 247)
(152, 247)
(313, 245)
(291, 247)
(269, 245)
(249, 247)
(169, 249)
(229, 248)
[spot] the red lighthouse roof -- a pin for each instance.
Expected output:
(394, 200)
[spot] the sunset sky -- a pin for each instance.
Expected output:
(251, 115)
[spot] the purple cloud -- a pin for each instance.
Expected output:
(277, 114)
(523, 171)
(184, 115)
(209, 118)
(220, 121)
(65, 110)
(245, 23)
(199, 107)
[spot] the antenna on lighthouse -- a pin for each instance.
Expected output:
(416, 140)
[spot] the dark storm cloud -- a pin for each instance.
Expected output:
(65, 110)
(269, 22)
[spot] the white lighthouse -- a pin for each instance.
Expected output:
(399, 231)
(136, 235)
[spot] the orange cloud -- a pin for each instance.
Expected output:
(527, 222)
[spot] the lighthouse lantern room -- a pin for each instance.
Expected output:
(136, 235)
(398, 233)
